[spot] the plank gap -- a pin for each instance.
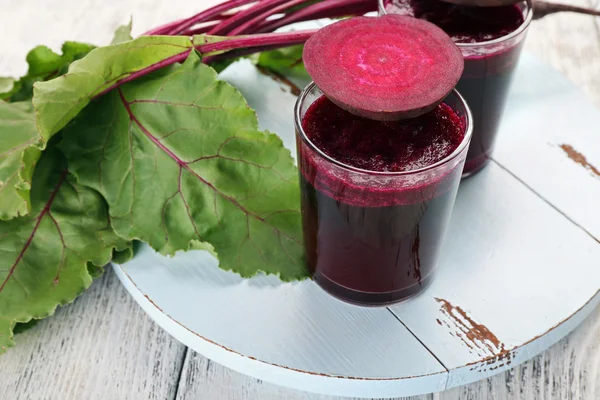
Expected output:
(422, 344)
(545, 200)
(180, 372)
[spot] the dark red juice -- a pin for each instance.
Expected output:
(374, 237)
(485, 85)
(489, 65)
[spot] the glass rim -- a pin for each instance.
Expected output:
(513, 34)
(463, 146)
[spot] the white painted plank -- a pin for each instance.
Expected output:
(570, 42)
(202, 377)
(569, 370)
(101, 347)
(293, 334)
(547, 124)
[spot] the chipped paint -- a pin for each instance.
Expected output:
(580, 159)
(477, 337)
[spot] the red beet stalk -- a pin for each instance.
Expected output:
(323, 9)
(207, 15)
(256, 18)
(238, 53)
(243, 28)
(265, 39)
(260, 7)
(249, 44)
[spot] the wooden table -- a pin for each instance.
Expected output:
(104, 347)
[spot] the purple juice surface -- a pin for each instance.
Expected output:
(489, 69)
(383, 146)
(463, 23)
(375, 238)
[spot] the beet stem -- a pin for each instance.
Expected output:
(543, 8)
(226, 26)
(240, 52)
(201, 30)
(243, 43)
(265, 39)
(228, 17)
(206, 15)
(145, 71)
(163, 29)
(321, 10)
(243, 28)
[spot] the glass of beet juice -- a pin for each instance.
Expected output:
(491, 39)
(377, 196)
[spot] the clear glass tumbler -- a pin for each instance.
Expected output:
(374, 238)
(486, 80)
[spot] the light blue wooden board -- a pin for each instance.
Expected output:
(544, 112)
(517, 274)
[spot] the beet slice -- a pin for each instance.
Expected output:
(384, 68)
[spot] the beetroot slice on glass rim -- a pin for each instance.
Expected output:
(384, 68)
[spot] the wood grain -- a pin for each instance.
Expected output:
(569, 370)
(103, 346)
(570, 42)
(201, 374)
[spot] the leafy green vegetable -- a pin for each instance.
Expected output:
(7, 87)
(166, 154)
(20, 142)
(123, 33)
(58, 101)
(20, 148)
(22, 327)
(286, 62)
(47, 253)
(43, 64)
(179, 158)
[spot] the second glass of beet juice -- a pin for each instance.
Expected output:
(377, 196)
(491, 39)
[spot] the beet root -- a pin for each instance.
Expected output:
(385, 68)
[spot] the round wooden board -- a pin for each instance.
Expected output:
(520, 268)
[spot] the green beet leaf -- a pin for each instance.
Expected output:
(22, 327)
(44, 64)
(46, 256)
(122, 34)
(286, 62)
(20, 142)
(58, 101)
(180, 160)
(20, 148)
(8, 86)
